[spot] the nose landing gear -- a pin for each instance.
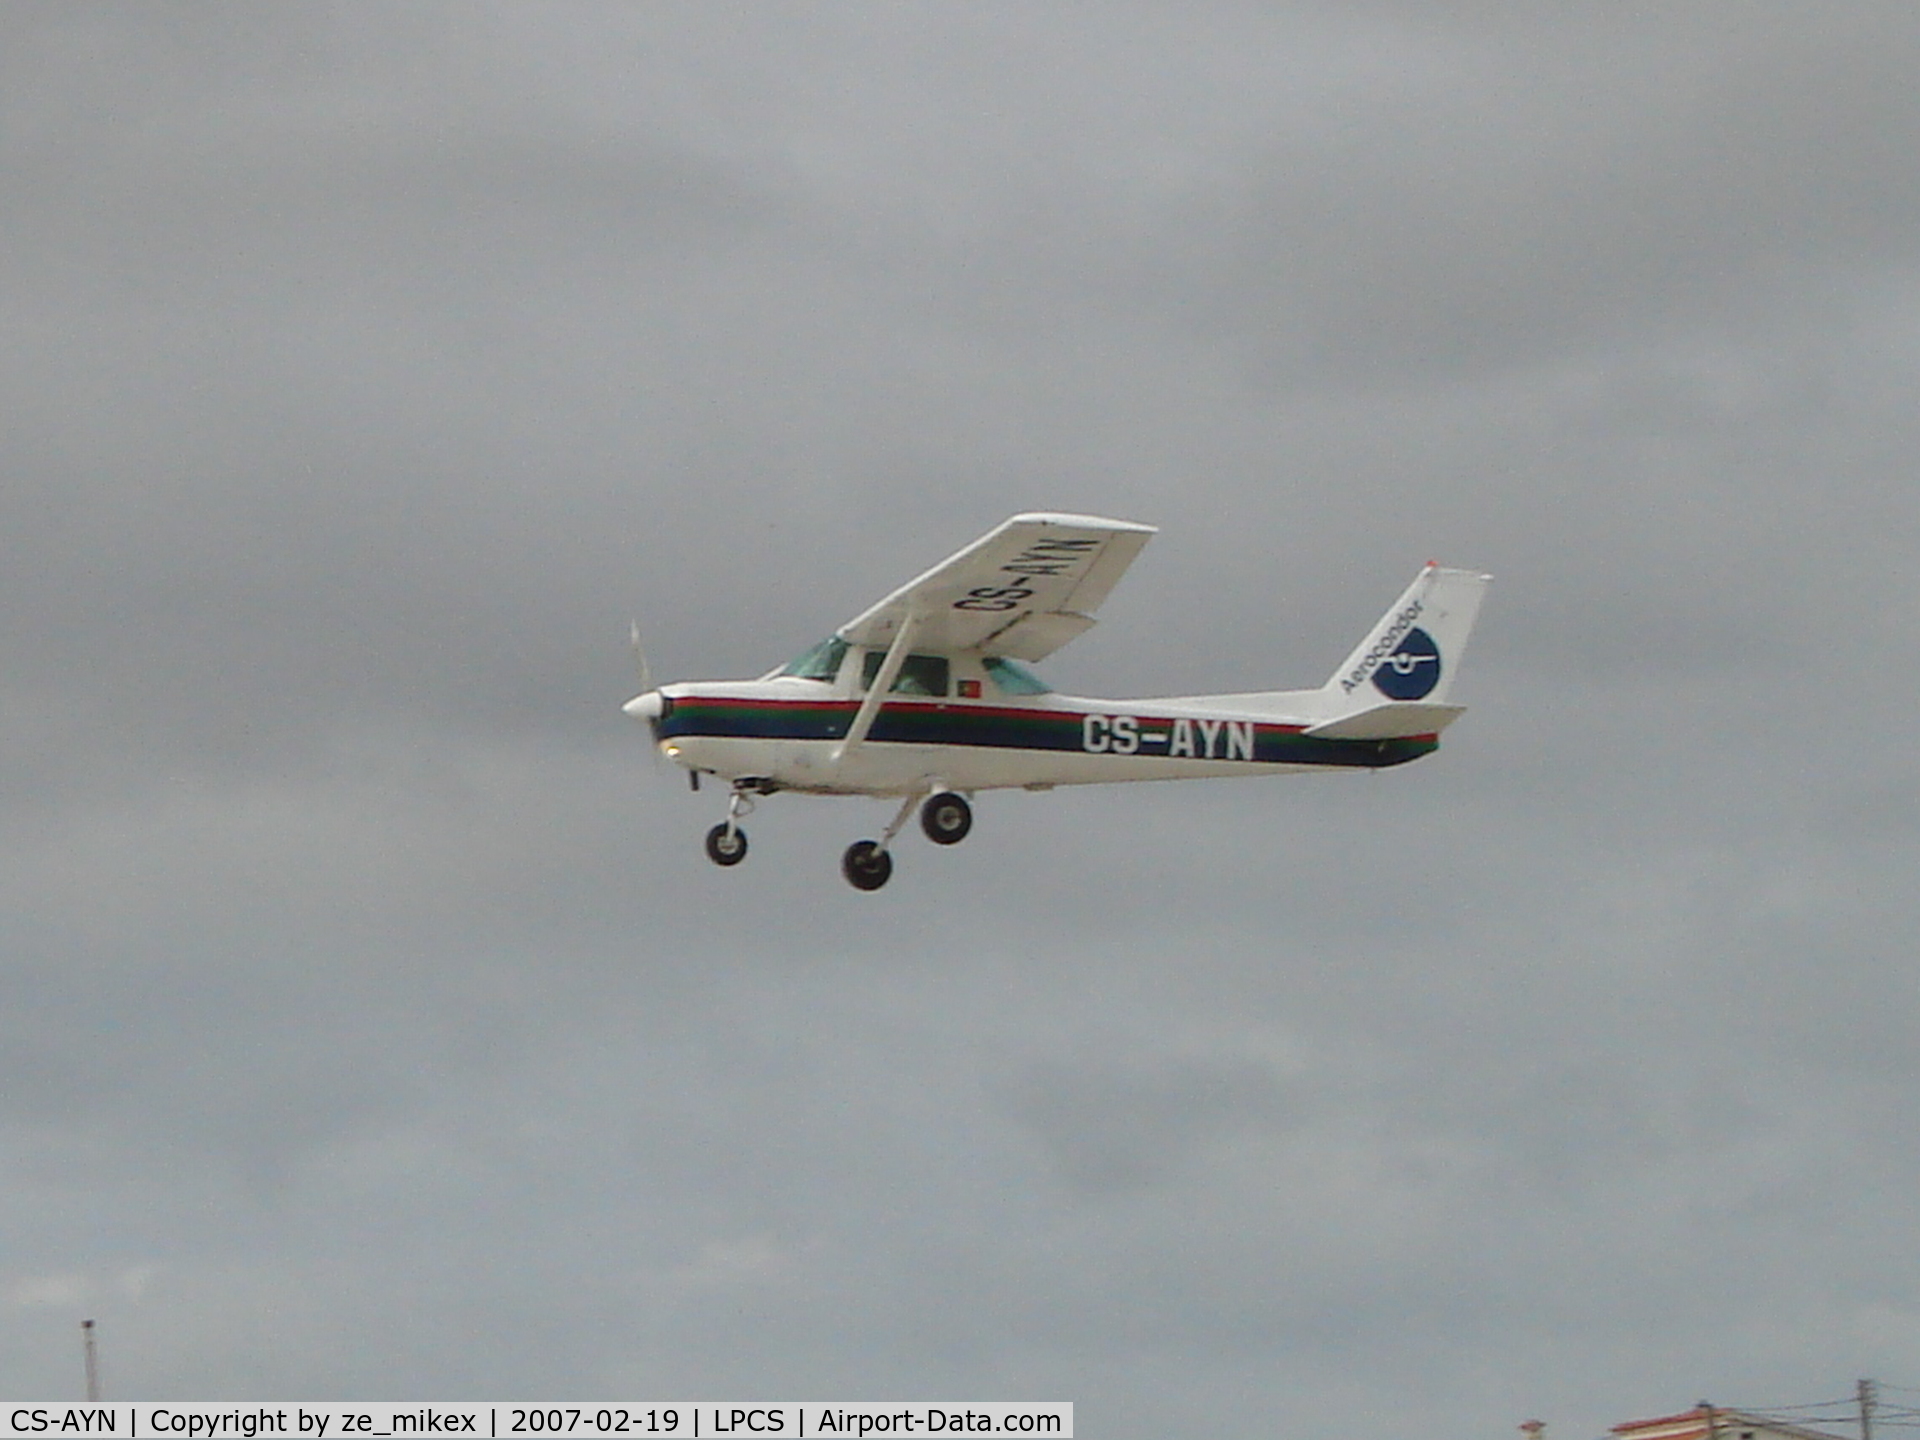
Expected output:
(727, 842)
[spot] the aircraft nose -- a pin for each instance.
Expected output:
(644, 707)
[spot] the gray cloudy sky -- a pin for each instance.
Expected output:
(374, 1027)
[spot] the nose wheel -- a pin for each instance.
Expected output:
(727, 842)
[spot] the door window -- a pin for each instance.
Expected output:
(919, 674)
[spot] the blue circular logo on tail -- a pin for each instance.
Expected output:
(1412, 670)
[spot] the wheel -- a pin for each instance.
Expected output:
(946, 818)
(725, 849)
(866, 865)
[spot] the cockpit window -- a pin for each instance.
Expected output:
(919, 674)
(1014, 678)
(822, 662)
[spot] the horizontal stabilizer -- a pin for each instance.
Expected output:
(1392, 721)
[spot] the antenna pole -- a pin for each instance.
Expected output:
(93, 1360)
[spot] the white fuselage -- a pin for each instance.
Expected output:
(788, 733)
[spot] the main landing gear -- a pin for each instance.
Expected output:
(945, 817)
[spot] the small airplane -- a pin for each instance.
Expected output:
(926, 696)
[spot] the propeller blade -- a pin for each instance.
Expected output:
(648, 704)
(640, 658)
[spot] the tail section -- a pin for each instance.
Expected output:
(1397, 679)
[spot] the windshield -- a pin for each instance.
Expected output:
(822, 662)
(1014, 678)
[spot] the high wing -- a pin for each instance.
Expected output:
(1022, 590)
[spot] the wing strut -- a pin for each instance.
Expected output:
(863, 718)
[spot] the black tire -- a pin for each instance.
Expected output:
(866, 865)
(722, 850)
(946, 817)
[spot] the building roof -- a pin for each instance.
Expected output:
(1727, 1424)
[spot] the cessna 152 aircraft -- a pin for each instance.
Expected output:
(925, 696)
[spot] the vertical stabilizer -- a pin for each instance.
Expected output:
(1414, 652)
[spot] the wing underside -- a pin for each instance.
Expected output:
(1023, 590)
